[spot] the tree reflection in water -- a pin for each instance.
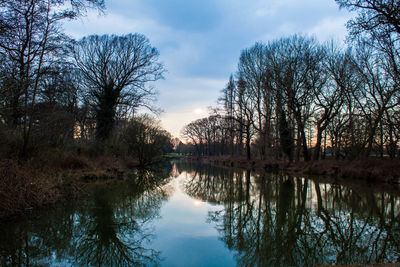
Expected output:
(112, 228)
(265, 219)
(276, 220)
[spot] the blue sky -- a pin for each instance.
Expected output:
(200, 40)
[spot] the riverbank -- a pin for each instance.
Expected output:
(371, 170)
(53, 176)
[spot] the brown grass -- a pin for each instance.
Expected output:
(372, 169)
(50, 176)
(22, 188)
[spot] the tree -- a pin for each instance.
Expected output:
(31, 41)
(55, 112)
(376, 31)
(378, 17)
(116, 71)
(146, 140)
(228, 102)
(300, 58)
(245, 117)
(286, 138)
(254, 69)
(329, 91)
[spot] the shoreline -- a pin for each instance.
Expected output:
(63, 176)
(369, 170)
(53, 177)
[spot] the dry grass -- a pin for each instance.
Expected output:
(23, 188)
(372, 169)
(50, 176)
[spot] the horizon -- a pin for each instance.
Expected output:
(200, 47)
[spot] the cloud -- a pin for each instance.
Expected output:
(116, 23)
(183, 98)
(200, 41)
(174, 121)
(330, 28)
(178, 91)
(192, 16)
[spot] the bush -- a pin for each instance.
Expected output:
(146, 140)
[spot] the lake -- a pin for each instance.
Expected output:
(188, 214)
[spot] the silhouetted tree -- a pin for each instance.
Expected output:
(31, 41)
(116, 71)
(146, 140)
(377, 17)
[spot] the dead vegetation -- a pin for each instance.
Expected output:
(371, 170)
(50, 176)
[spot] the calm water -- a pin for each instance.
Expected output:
(195, 215)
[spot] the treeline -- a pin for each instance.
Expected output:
(296, 98)
(270, 219)
(59, 92)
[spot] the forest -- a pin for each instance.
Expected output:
(295, 98)
(79, 95)
(68, 107)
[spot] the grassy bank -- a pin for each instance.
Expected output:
(52, 176)
(57, 175)
(372, 170)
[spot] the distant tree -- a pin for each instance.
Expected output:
(175, 143)
(194, 134)
(146, 140)
(116, 71)
(245, 116)
(228, 102)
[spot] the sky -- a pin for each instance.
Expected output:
(200, 41)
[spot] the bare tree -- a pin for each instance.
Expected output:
(380, 92)
(300, 57)
(228, 102)
(116, 72)
(376, 32)
(328, 90)
(379, 17)
(30, 43)
(146, 140)
(194, 133)
(245, 114)
(254, 69)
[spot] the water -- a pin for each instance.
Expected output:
(197, 215)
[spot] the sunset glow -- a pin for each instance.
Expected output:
(197, 202)
(198, 111)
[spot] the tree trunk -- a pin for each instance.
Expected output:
(248, 152)
(105, 113)
(318, 143)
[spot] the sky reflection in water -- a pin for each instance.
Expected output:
(197, 215)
